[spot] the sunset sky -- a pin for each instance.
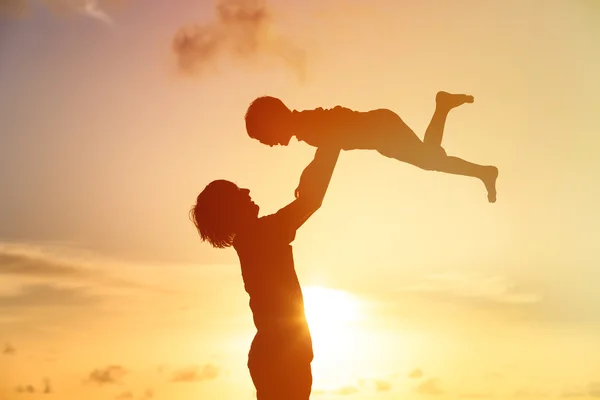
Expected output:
(416, 287)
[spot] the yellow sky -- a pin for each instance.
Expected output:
(437, 294)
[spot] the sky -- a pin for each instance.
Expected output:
(115, 114)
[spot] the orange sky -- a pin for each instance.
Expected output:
(104, 145)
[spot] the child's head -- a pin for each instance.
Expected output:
(269, 121)
(220, 210)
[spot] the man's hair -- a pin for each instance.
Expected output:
(212, 214)
(261, 113)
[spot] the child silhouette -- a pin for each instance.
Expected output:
(271, 122)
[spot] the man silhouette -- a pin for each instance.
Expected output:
(281, 353)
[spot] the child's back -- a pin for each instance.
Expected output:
(347, 129)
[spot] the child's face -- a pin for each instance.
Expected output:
(276, 133)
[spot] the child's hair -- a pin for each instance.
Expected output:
(261, 114)
(212, 215)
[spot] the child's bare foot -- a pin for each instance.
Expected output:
(489, 180)
(450, 100)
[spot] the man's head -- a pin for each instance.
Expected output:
(221, 209)
(268, 120)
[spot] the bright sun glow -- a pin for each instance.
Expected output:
(333, 316)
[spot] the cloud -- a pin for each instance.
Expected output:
(93, 10)
(28, 262)
(25, 389)
(528, 393)
(382, 386)
(89, 8)
(416, 374)
(243, 30)
(195, 374)
(477, 288)
(28, 265)
(147, 395)
(30, 389)
(112, 374)
(42, 295)
(346, 390)
(476, 395)
(47, 386)
(594, 389)
(430, 387)
(9, 349)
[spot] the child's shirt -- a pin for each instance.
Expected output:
(344, 127)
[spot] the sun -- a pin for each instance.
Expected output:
(333, 317)
(329, 309)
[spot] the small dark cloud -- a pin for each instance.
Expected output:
(9, 349)
(42, 295)
(47, 386)
(430, 387)
(25, 389)
(195, 374)
(242, 29)
(162, 368)
(124, 396)
(416, 374)
(112, 374)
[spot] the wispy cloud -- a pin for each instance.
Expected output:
(243, 30)
(531, 393)
(592, 389)
(34, 262)
(492, 289)
(196, 374)
(90, 8)
(47, 296)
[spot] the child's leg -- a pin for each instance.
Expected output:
(428, 154)
(409, 149)
(444, 102)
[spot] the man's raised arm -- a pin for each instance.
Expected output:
(314, 183)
